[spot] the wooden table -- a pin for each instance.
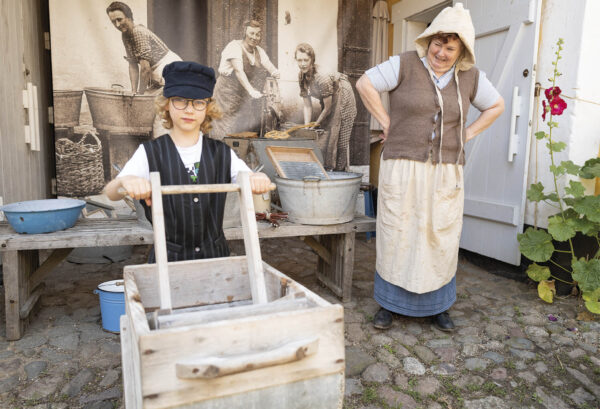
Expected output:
(24, 276)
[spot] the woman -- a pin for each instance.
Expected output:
(338, 107)
(421, 197)
(243, 71)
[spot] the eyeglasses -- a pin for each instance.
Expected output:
(182, 103)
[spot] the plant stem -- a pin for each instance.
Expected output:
(566, 282)
(550, 204)
(558, 265)
(560, 200)
(562, 251)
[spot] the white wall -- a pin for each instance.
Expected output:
(304, 27)
(404, 32)
(574, 21)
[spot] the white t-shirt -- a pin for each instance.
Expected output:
(234, 50)
(190, 156)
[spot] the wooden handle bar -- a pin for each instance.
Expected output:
(215, 367)
(214, 188)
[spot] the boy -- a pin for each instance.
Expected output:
(193, 222)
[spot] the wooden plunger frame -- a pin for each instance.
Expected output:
(255, 264)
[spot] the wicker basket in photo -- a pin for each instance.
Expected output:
(79, 170)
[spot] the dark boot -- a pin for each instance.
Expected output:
(383, 319)
(443, 322)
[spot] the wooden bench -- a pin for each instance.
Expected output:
(24, 276)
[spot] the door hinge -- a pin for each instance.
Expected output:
(51, 115)
(53, 189)
(47, 40)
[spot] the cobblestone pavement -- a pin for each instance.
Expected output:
(505, 353)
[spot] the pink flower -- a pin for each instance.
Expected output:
(552, 92)
(557, 105)
(552, 317)
(544, 112)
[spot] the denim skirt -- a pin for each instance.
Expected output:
(398, 300)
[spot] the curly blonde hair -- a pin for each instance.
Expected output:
(212, 112)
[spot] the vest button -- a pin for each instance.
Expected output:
(195, 200)
(197, 249)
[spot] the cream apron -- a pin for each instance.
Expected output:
(419, 222)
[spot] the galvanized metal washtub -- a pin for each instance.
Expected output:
(313, 200)
(119, 111)
(67, 107)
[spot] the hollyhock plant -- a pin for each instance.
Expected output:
(557, 106)
(552, 92)
(578, 212)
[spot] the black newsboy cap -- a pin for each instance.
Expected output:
(188, 79)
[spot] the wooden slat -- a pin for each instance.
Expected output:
(250, 231)
(85, 233)
(55, 259)
(128, 231)
(204, 317)
(160, 243)
(31, 300)
(160, 349)
(213, 367)
(216, 280)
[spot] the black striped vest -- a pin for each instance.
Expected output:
(193, 222)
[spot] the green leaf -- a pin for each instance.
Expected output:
(535, 193)
(540, 135)
(537, 272)
(553, 197)
(588, 206)
(560, 229)
(556, 146)
(536, 244)
(575, 189)
(572, 169)
(580, 223)
(590, 169)
(570, 201)
(587, 274)
(591, 295)
(546, 290)
(593, 306)
(557, 170)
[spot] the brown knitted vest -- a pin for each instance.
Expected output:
(413, 107)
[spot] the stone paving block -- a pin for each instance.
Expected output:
(550, 401)
(396, 399)
(353, 387)
(424, 354)
(377, 372)
(427, 386)
(357, 360)
(412, 366)
(76, 384)
(490, 402)
(580, 396)
(33, 369)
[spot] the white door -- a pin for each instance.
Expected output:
(497, 160)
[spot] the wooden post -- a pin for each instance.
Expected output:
(17, 266)
(160, 243)
(255, 264)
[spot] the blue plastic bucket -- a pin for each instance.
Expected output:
(112, 304)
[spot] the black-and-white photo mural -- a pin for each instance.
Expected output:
(285, 70)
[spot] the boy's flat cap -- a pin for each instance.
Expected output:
(188, 79)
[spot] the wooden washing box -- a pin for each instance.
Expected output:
(214, 348)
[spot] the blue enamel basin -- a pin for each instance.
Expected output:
(43, 216)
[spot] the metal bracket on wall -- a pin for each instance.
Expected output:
(32, 129)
